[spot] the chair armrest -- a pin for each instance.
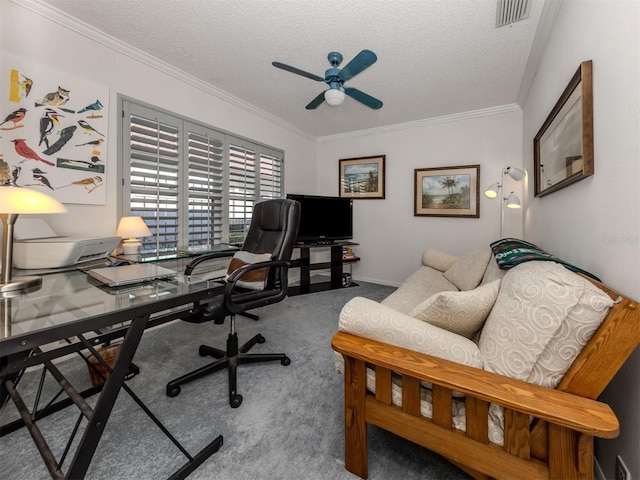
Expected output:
(561, 408)
(240, 302)
(204, 258)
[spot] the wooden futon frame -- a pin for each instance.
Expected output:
(557, 444)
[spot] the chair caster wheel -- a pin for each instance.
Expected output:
(285, 361)
(235, 401)
(261, 339)
(173, 391)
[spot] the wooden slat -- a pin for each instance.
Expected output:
(411, 395)
(570, 454)
(565, 409)
(488, 459)
(516, 433)
(442, 414)
(477, 412)
(383, 385)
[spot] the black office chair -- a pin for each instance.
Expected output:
(273, 230)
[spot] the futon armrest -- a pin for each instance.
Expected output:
(561, 408)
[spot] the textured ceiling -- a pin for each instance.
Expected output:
(435, 57)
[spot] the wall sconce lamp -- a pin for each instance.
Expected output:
(512, 200)
(15, 201)
(130, 228)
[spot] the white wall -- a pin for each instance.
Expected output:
(391, 238)
(43, 40)
(595, 223)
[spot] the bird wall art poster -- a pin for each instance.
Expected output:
(53, 132)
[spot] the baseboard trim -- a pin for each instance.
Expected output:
(598, 474)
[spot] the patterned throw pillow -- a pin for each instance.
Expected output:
(467, 272)
(461, 312)
(542, 318)
(254, 279)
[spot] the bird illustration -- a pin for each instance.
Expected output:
(47, 122)
(94, 143)
(15, 173)
(25, 86)
(27, 152)
(95, 106)
(5, 175)
(15, 117)
(65, 135)
(90, 183)
(41, 179)
(88, 128)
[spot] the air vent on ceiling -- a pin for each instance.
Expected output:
(511, 11)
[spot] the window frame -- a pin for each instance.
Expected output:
(186, 126)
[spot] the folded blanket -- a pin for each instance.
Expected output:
(510, 252)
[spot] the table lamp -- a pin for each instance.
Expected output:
(14, 201)
(130, 228)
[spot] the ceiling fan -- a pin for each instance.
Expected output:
(335, 78)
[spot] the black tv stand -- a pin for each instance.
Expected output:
(305, 265)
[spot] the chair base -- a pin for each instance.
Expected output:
(229, 359)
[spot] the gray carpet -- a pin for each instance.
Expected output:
(290, 425)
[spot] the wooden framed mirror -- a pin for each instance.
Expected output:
(563, 147)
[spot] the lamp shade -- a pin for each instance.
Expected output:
(516, 173)
(492, 191)
(15, 201)
(334, 97)
(513, 201)
(21, 200)
(132, 227)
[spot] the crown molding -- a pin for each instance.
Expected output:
(456, 117)
(57, 16)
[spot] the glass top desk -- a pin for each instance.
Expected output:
(70, 312)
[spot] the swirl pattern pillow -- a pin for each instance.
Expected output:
(542, 318)
(461, 312)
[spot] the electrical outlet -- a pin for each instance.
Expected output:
(622, 472)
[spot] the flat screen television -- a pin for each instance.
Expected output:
(324, 219)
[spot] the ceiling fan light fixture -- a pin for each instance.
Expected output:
(334, 97)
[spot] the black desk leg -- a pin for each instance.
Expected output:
(89, 442)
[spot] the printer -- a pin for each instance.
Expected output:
(37, 246)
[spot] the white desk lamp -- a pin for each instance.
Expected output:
(130, 228)
(512, 201)
(14, 201)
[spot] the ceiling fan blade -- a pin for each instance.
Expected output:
(297, 71)
(362, 97)
(316, 102)
(360, 62)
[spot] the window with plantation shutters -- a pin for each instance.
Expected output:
(194, 186)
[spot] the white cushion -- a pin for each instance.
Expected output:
(467, 272)
(538, 307)
(438, 260)
(461, 312)
(421, 284)
(370, 319)
(254, 279)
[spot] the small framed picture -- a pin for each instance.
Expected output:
(362, 177)
(447, 192)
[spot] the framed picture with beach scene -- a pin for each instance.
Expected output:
(362, 177)
(447, 192)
